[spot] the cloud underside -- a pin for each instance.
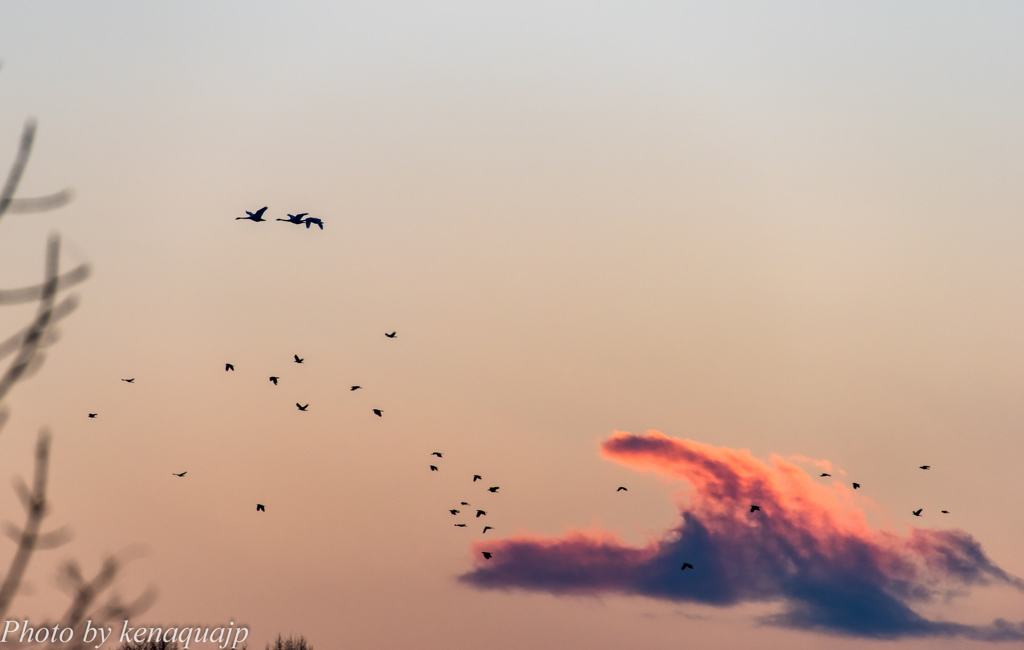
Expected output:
(809, 547)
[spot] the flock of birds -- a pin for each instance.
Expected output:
(302, 218)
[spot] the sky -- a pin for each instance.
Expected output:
(705, 251)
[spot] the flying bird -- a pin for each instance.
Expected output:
(378, 413)
(182, 474)
(926, 466)
(301, 407)
(480, 512)
(824, 474)
(313, 220)
(621, 489)
(917, 513)
(487, 528)
(454, 511)
(92, 415)
(945, 512)
(298, 359)
(255, 216)
(274, 379)
(753, 508)
(464, 503)
(493, 489)
(295, 218)
(228, 366)
(391, 335)
(685, 566)
(487, 555)
(356, 387)
(460, 525)
(856, 486)
(260, 507)
(436, 453)
(130, 381)
(477, 477)
(433, 468)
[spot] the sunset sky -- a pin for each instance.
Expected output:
(705, 251)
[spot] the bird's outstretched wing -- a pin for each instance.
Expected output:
(621, 489)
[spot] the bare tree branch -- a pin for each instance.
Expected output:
(35, 292)
(41, 203)
(28, 135)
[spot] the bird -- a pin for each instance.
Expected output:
(454, 511)
(313, 220)
(477, 477)
(824, 474)
(487, 528)
(622, 489)
(753, 508)
(391, 335)
(356, 387)
(254, 216)
(130, 381)
(926, 466)
(493, 489)
(464, 503)
(685, 566)
(460, 525)
(856, 486)
(436, 453)
(295, 218)
(274, 380)
(92, 415)
(433, 468)
(182, 474)
(480, 512)
(945, 512)
(260, 507)
(378, 413)
(298, 359)
(487, 555)
(228, 366)
(917, 513)
(301, 407)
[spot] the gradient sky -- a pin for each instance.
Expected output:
(792, 229)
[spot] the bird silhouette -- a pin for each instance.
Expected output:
(856, 486)
(254, 216)
(493, 489)
(298, 359)
(436, 453)
(454, 511)
(753, 508)
(313, 220)
(301, 407)
(130, 381)
(92, 415)
(477, 477)
(356, 387)
(487, 555)
(685, 566)
(622, 489)
(391, 335)
(824, 474)
(260, 507)
(917, 513)
(480, 512)
(464, 503)
(378, 413)
(433, 468)
(926, 466)
(487, 528)
(945, 512)
(182, 474)
(295, 218)
(274, 379)
(228, 366)
(460, 525)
